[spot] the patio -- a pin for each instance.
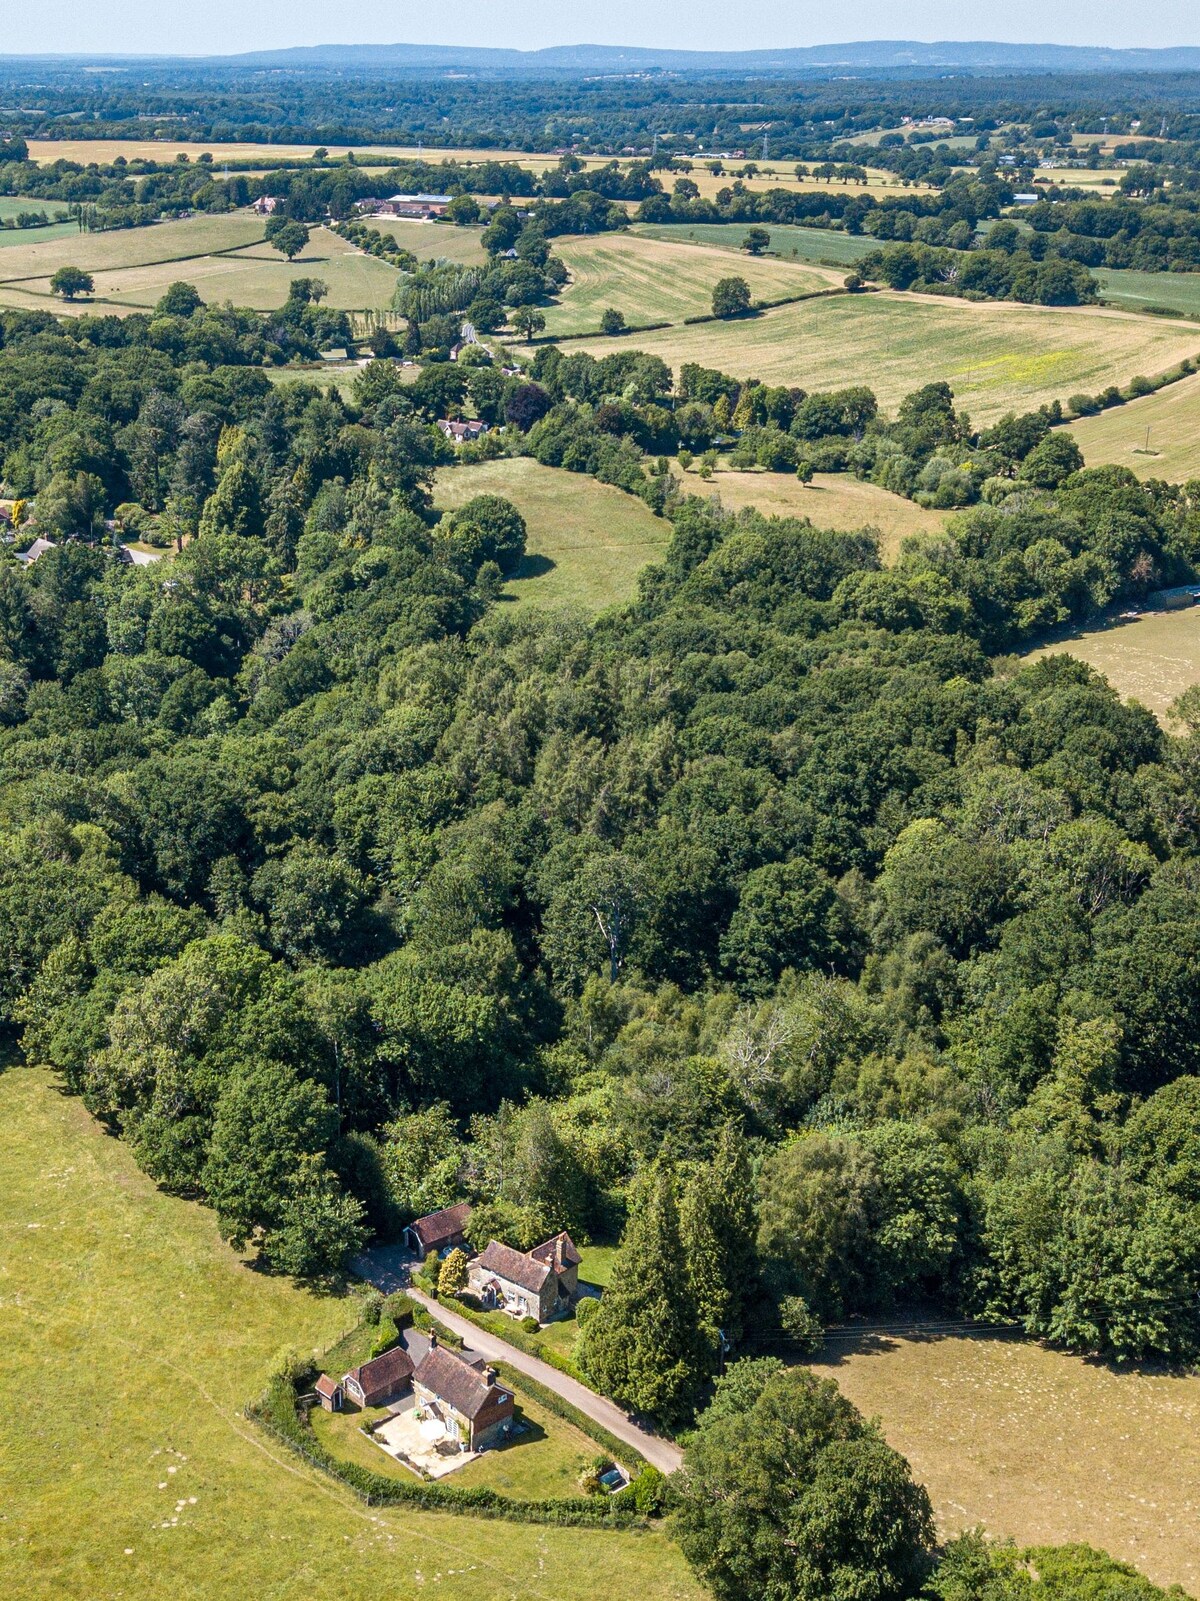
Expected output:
(421, 1442)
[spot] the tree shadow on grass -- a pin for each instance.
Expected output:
(529, 567)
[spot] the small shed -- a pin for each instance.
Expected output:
(330, 1393)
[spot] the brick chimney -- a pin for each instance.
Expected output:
(488, 1376)
(432, 1340)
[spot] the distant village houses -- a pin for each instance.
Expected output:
(462, 433)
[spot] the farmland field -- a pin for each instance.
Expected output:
(654, 282)
(998, 356)
(815, 245)
(832, 500)
(587, 541)
(1134, 291)
(1037, 1444)
(130, 1337)
(1119, 435)
(1152, 658)
(436, 240)
(223, 256)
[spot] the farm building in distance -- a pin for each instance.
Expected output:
(420, 206)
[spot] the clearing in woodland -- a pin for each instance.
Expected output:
(586, 540)
(223, 256)
(1152, 658)
(832, 500)
(997, 356)
(1155, 437)
(655, 282)
(130, 1338)
(1036, 1444)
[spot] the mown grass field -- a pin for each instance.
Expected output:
(997, 356)
(130, 1337)
(651, 281)
(1134, 291)
(1119, 435)
(224, 257)
(1037, 1444)
(546, 1459)
(438, 241)
(813, 245)
(586, 542)
(832, 500)
(1152, 658)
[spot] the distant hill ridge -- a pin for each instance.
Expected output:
(872, 56)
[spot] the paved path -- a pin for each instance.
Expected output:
(387, 1269)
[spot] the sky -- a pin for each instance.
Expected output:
(209, 27)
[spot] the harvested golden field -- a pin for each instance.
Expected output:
(653, 281)
(586, 542)
(997, 356)
(1039, 1445)
(1152, 658)
(130, 1338)
(224, 257)
(832, 500)
(1155, 437)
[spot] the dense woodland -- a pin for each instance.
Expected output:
(778, 918)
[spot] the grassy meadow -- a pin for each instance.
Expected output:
(224, 256)
(1134, 291)
(998, 356)
(130, 1337)
(587, 541)
(1172, 448)
(655, 282)
(1037, 1444)
(817, 246)
(1152, 658)
(832, 500)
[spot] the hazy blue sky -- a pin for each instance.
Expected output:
(215, 26)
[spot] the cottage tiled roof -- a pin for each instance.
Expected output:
(438, 1227)
(557, 1252)
(514, 1266)
(445, 1374)
(387, 1370)
(327, 1387)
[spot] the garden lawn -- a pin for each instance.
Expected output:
(546, 1460)
(587, 541)
(130, 1338)
(596, 1266)
(650, 281)
(997, 356)
(1039, 1445)
(832, 500)
(825, 246)
(1172, 419)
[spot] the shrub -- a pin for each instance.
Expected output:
(586, 1310)
(385, 1337)
(400, 1308)
(612, 321)
(372, 1308)
(530, 1325)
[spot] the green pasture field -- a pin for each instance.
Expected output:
(1037, 1444)
(14, 205)
(1134, 291)
(1152, 658)
(817, 246)
(223, 256)
(436, 241)
(996, 355)
(130, 1339)
(832, 500)
(587, 541)
(1157, 436)
(543, 1461)
(655, 282)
